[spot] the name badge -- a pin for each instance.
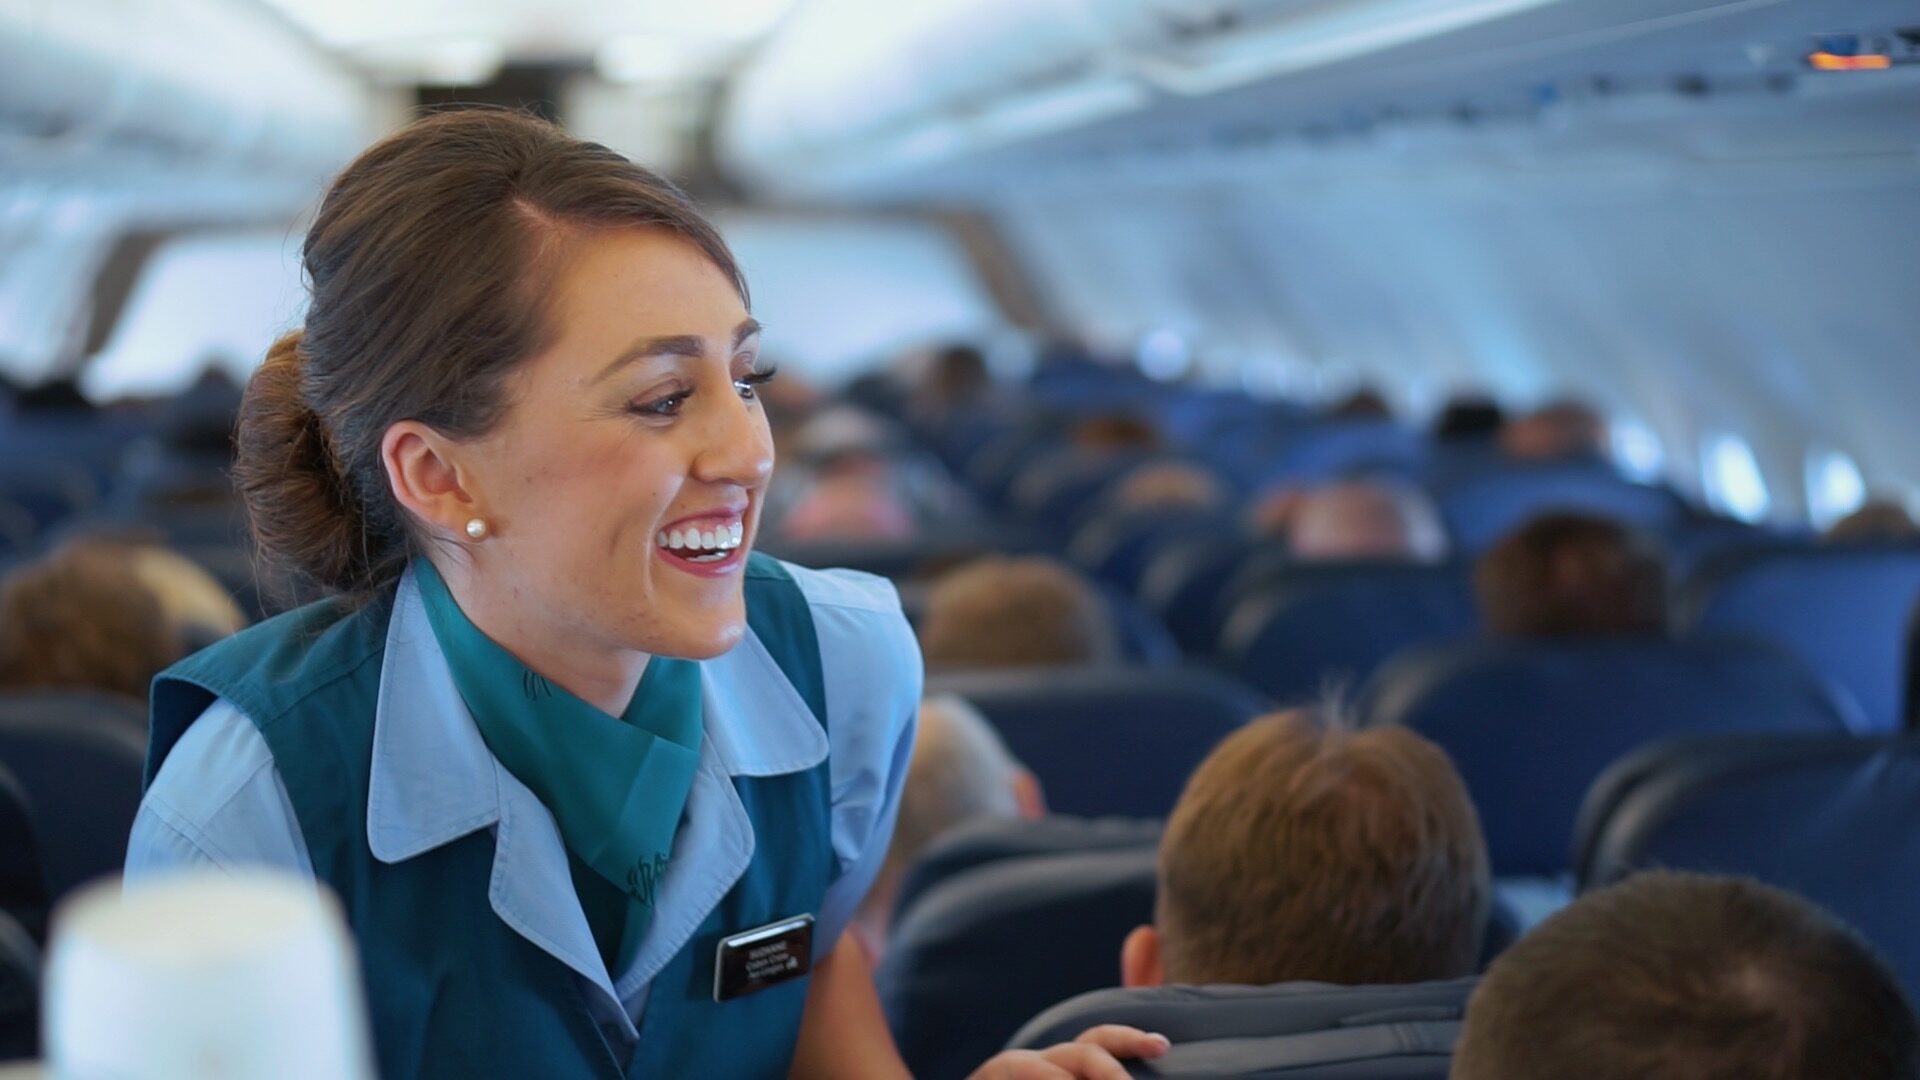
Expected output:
(753, 960)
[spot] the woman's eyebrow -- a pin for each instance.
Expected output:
(688, 345)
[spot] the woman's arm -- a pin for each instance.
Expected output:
(844, 1036)
(843, 1033)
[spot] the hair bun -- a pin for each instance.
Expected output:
(304, 520)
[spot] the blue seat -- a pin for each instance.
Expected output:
(1842, 609)
(79, 756)
(1185, 584)
(1483, 506)
(1301, 1031)
(984, 951)
(1330, 449)
(1306, 628)
(23, 884)
(1054, 493)
(1531, 725)
(1108, 740)
(1118, 546)
(1830, 818)
(990, 840)
(19, 992)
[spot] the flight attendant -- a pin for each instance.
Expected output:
(598, 789)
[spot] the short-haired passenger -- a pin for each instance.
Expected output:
(1567, 575)
(1363, 519)
(961, 771)
(83, 618)
(1561, 431)
(1671, 976)
(1002, 612)
(1301, 851)
(1878, 522)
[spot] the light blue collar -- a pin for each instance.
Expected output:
(433, 781)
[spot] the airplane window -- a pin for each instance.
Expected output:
(1164, 355)
(217, 298)
(1835, 487)
(1732, 477)
(1637, 450)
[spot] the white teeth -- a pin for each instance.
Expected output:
(677, 540)
(708, 541)
(713, 543)
(661, 540)
(737, 532)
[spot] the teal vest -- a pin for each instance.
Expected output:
(452, 991)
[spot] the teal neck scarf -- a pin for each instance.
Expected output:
(615, 786)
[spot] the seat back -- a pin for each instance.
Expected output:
(79, 756)
(23, 884)
(1306, 627)
(1842, 609)
(1829, 818)
(1185, 582)
(987, 949)
(1300, 1031)
(990, 840)
(19, 992)
(1531, 725)
(1108, 740)
(1483, 506)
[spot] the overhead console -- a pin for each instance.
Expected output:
(852, 98)
(214, 88)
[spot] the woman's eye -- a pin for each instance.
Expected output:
(662, 406)
(746, 383)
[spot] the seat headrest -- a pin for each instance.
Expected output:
(1300, 1030)
(1531, 725)
(1107, 740)
(990, 840)
(988, 948)
(1830, 818)
(1484, 506)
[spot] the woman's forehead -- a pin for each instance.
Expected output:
(623, 283)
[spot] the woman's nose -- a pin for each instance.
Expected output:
(736, 446)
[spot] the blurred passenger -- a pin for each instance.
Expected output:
(1562, 431)
(1687, 977)
(1000, 612)
(1364, 519)
(82, 618)
(851, 505)
(197, 607)
(1365, 403)
(1570, 575)
(1114, 431)
(961, 772)
(955, 378)
(1168, 485)
(1272, 513)
(1469, 418)
(1303, 851)
(1877, 522)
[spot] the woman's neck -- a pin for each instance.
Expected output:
(599, 673)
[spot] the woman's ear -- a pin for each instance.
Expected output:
(1140, 959)
(424, 471)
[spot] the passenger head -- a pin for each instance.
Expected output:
(197, 607)
(1876, 522)
(848, 506)
(1362, 519)
(1168, 485)
(1114, 431)
(1469, 418)
(1303, 851)
(1689, 977)
(1365, 403)
(1000, 612)
(1563, 430)
(81, 618)
(961, 772)
(1570, 575)
(514, 326)
(956, 375)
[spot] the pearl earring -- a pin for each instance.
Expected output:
(477, 529)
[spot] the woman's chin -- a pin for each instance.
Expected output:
(703, 643)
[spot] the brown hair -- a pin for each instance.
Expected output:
(1303, 852)
(1685, 975)
(81, 617)
(1014, 612)
(428, 263)
(1572, 575)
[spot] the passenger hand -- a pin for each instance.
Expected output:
(1095, 1055)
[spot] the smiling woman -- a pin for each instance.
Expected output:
(598, 788)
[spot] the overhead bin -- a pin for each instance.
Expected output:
(223, 85)
(809, 116)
